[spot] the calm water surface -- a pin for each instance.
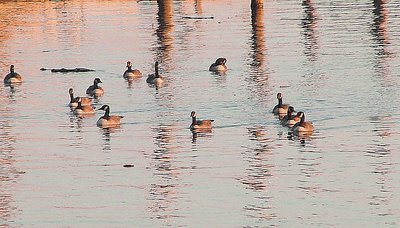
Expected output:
(336, 61)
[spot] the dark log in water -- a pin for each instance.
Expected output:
(65, 70)
(198, 17)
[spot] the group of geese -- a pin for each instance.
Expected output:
(82, 106)
(286, 115)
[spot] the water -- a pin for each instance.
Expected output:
(336, 61)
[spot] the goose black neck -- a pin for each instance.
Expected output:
(289, 115)
(156, 71)
(279, 102)
(71, 95)
(95, 85)
(302, 119)
(194, 122)
(129, 69)
(107, 112)
(79, 105)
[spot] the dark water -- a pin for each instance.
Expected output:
(337, 61)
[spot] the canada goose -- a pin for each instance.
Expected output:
(155, 78)
(83, 110)
(293, 120)
(95, 89)
(219, 65)
(106, 120)
(280, 108)
(73, 103)
(302, 126)
(199, 124)
(288, 115)
(12, 77)
(130, 74)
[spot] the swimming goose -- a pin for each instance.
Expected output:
(83, 110)
(199, 124)
(280, 108)
(12, 77)
(106, 120)
(288, 115)
(130, 74)
(302, 126)
(73, 103)
(219, 65)
(95, 90)
(155, 78)
(293, 120)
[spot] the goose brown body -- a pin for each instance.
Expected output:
(200, 124)
(83, 110)
(95, 90)
(130, 74)
(12, 77)
(106, 120)
(73, 103)
(280, 108)
(289, 119)
(302, 126)
(218, 65)
(294, 120)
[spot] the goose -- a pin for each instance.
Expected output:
(95, 90)
(155, 78)
(106, 120)
(302, 126)
(290, 120)
(12, 77)
(130, 74)
(280, 108)
(288, 115)
(73, 103)
(199, 124)
(219, 65)
(83, 110)
(293, 120)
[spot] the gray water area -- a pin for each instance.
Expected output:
(338, 61)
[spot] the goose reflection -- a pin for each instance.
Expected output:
(259, 174)
(13, 91)
(309, 24)
(202, 133)
(164, 193)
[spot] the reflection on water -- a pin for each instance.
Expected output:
(202, 133)
(381, 164)
(165, 27)
(337, 62)
(198, 7)
(309, 165)
(259, 175)
(259, 74)
(164, 193)
(8, 172)
(309, 23)
(380, 23)
(380, 36)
